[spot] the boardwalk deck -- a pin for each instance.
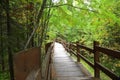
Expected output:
(66, 68)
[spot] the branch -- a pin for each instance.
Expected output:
(39, 15)
(71, 6)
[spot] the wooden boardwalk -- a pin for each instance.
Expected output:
(66, 68)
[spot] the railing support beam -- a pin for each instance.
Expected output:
(96, 60)
(78, 52)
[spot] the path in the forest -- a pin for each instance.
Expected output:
(66, 68)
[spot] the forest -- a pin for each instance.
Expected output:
(30, 23)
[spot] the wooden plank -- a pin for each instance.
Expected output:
(47, 64)
(74, 78)
(112, 53)
(66, 68)
(34, 75)
(23, 63)
(107, 71)
(86, 48)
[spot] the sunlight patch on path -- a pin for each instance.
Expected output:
(59, 50)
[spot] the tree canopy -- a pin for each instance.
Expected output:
(86, 20)
(36, 22)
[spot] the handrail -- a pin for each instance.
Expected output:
(86, 48)
(97, 66)
(112, 53)
(86, 60)
(46, 66)
(107, 71)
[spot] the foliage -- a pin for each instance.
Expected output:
(84, 21)
(25, 16)
(87, 21)
(72, 20)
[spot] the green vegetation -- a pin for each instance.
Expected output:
(84, 21)
(30, 23)
(4, 75)
(90, 69)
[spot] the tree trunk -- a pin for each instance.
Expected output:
(18, 43)
(31, 29)
(1, 51)
(10, 58)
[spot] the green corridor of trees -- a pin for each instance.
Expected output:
(29, 23)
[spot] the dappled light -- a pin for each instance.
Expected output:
(38, 36)
(58, 48)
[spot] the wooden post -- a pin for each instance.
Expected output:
(96, 59)
(70, 47)
(47, 47)
(78, 52)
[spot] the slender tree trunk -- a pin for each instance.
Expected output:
(32, 42)
(10, 58)
(18, 43)
(39, 15)
(31, 29)
(1, 51)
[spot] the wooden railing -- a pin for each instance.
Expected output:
(46, 64)
(97, 66)
(28, 64)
